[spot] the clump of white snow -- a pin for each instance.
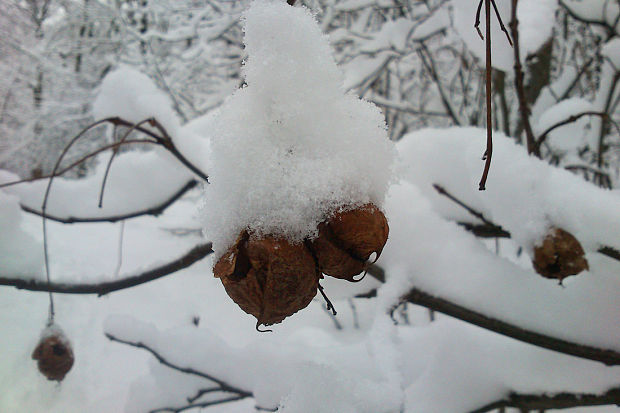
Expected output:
(569, 136)
(132, 95)
(291, 147)
(20, 253)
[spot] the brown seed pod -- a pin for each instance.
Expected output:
(559, 255)
(54, 355)
(348, 239)
(268, 277)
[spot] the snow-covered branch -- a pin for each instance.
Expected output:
(419, 297)
(155, 210)
(530, 402)
(102, 288)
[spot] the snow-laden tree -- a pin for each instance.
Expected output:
(454, 316)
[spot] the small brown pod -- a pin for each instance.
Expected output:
(53, 354)
(559, 255)
(348, 239)
(269, 278)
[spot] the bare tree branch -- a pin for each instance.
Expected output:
(570, 119)
(222, 386)
(527, 402)
(153, 210)
(419, 297)
(195, 254)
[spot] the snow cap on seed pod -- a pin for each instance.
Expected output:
(269, 278)
(292, 146)
(559, 255)
(53, 353)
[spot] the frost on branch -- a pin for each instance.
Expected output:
(291, 148)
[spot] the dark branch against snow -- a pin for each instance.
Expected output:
(529, 402)
(151, 210)
(195, 254)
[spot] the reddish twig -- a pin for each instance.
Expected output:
(499, 19)
(489, 150)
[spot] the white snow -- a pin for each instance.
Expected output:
(20, 253)
(291, 147)
(524, 195)
(137, 180)
(446, 261)
(570, 136)
(133, 96)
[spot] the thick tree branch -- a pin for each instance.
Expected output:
(419, 297)
(527, 402)
(195, 254)
(153, 210)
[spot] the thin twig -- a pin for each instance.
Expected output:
(501, 23)
(573, 118)
(79, 161)
(477, 22)
(114, 152)
(488, 153)
(328, 303)
(44, 207)
(224, 386)
(119, 262)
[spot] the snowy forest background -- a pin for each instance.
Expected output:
(517, 342)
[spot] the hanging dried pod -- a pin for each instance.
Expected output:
(559, 255)
(348, 239)
(53, 354)
(268, 277)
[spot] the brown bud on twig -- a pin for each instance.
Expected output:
(348, 239)
(559, 255)
(54, 355)
(268, 277)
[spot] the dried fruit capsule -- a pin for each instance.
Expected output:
(559, 255)
(53, 354)
(268, 277)
(348, 239)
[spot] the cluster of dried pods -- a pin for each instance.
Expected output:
(272, 278)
